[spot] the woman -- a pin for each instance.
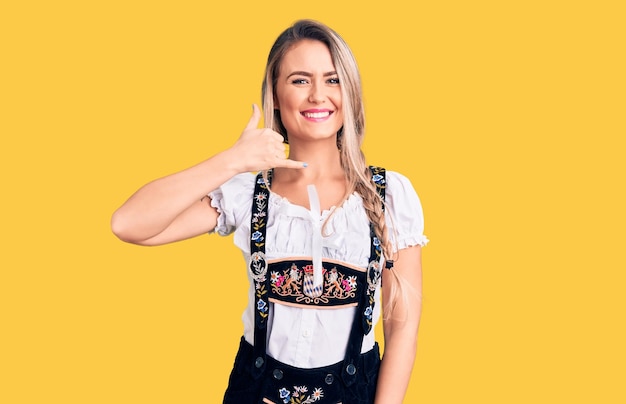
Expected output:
(313, 229)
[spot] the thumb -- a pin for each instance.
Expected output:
(253, 123)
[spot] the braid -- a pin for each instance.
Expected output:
(360, 180)
(373, 207)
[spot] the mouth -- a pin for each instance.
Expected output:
(318, 114)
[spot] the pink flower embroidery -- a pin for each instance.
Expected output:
(280, 280)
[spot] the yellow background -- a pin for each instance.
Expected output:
(508, 116)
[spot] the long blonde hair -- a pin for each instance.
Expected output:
(350, 136)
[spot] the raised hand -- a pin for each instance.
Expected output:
(261, 148)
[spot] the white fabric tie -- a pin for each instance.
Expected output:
(318, 242)
(316, 245)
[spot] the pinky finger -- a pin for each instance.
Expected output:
(286, 163)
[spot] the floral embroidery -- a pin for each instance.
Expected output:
(377, 247)
(378, 179)
(261, 304)
(299, 395)
(378, 176)
(258, 264)
(318, 393)
(368, 313)
(258, 218)
(287, 282)
(349, 284)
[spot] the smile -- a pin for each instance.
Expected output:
(315, 115)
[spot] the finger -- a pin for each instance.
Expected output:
(278, 137)
(253, 123)
(281, 149)
(286, 163)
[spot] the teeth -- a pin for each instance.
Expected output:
(316, 115)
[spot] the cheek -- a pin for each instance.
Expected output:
(338, 99)
(286, 103)
(283, 96)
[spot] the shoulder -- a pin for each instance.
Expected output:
(400, 195)
(405, 212)
(395, 177)
(394, 183)
(399, 183)
(389, 175)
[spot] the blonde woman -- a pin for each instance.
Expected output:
(324, 234)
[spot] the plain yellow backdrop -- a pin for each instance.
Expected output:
(508, 117)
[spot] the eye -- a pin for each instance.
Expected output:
(333, 80)
(299, 81)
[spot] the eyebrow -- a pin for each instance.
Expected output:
(307, 74)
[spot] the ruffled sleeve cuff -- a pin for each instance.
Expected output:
(232, 202)
(413, 241)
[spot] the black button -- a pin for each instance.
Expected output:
(258, 362)
(329, 379)
(278, 374)
(351, 369)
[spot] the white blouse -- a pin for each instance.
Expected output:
(308, 337)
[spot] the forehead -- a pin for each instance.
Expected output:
(309, 56)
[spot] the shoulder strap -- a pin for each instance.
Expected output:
(379, 179)
(258, 269)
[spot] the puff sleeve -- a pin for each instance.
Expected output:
(404, 214)
(232, 201)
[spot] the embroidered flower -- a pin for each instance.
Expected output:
(261, 306)
(368, 313)
(284, 394)
(378, 179)
(376, 243)
(346, 285)
(299, 395)
(261, 196)
(257, 236)
(352, 282)
(280, 280)
(317, 394)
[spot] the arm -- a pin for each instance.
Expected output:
(400, 327)
(173, 208)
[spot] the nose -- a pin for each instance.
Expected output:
(316, 95)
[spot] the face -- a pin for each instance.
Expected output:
(308, 93)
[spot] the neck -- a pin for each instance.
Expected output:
(323, 159)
